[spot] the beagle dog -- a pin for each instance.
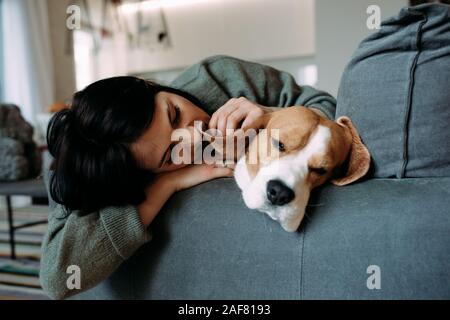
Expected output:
(306, 151)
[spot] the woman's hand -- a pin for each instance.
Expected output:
(195, 174)
(165, 184)
(235, 111)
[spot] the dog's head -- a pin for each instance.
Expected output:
(296, 151)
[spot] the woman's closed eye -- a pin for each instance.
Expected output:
(168, 155)
(176, 115)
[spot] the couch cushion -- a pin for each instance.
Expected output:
(396, 90)
(208, 245)
(400, 225)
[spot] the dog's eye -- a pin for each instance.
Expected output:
(320, 171)
(278, 144)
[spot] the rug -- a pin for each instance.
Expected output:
(19, 279)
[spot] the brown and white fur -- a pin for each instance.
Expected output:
(314, 150)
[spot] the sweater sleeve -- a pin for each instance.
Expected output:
(217, 79)
(97, 243)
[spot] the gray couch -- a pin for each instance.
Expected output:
(208, 245)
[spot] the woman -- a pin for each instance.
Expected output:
(112, 169)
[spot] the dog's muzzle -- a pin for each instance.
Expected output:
(278, 193)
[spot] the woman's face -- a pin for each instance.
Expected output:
(153, 148)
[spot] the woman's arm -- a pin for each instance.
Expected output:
(170, 182)
(96, 243)
(215, 80)
(99, 242)
(242, 113)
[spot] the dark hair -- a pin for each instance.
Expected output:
(93, 166)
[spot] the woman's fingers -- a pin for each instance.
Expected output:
(213, 120)
(208, 172)
(222, 124)
(225, 114)
(229, 116)
(251, 117)
(222, 172)
(235, 111)
(222, 112)
(236, 117)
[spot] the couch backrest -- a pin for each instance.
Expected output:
(396, 89)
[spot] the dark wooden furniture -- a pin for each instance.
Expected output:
(33, 188)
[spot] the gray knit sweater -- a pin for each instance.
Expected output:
(99, 242)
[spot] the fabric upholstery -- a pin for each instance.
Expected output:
(208, 245)
(395, 89)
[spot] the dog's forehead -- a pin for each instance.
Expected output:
(303, 132)
(317, 141)
(294, 117)
(294, 126)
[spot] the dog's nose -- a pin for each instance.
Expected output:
(278, 193)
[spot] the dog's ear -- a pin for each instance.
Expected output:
(358, 162)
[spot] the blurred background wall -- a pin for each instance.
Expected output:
(311, 39)
(336, 28)
(62, 50)
(44, 60)
(340, 27)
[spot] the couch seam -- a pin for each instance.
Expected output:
(302, 254)
(418, 40)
